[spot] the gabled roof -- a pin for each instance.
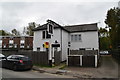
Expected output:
(82, 28)
(44, 26)
(71, 28)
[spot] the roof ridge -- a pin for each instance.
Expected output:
(80, 25)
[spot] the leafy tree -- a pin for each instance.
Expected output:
(113, 22)
(4, 33)
(103, 32)
(15, 32)
(30, 27)
(104, 39)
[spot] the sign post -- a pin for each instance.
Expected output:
(50, 32)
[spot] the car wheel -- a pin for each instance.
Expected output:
(14, 67)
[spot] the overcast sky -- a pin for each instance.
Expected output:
(19, 14)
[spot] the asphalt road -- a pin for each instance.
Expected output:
(6, 73)
(108, 69)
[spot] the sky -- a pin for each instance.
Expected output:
(17, 15)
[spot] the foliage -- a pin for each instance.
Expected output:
(15, 32)
(4, 33)
(104, 43)
(104, 39)
(29, 28)
(113, 22)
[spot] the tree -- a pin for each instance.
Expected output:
(4, 33)
(113, 22)
(104, 39)
(103, 32)
(15, 32)
(30, 27)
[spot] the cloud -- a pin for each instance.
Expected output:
(19, 14)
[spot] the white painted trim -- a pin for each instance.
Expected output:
(67, 61)
(53, 55)
(73, 55)
(95, 60)
(81, 60)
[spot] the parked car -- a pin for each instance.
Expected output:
(104, 52)
(17, 62)
(2, 57)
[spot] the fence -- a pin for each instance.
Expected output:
(39, 58)
(116, 54)
(84, 58)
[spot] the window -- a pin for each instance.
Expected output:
(76, 37)
(22, 41)
(21, 45)
(0, 43)
(28, 46)
(4, 46)
(15, 45)
(50, 28)
(72, 38)
(38, 48)
(10, 45)
(79, 37)
(48, 35)
(45, 35)
(10, 41)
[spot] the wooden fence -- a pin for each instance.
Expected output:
(116, 54)
(39, 58)
(83, 58)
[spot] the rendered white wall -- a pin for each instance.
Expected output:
(65, 39)
(38, 41)
(89, 40)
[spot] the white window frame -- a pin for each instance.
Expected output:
(11, 41)
(22, 41)
(22, 46)
(46, 35)
(0, 43)
(76, 38)
(15, 45)
(4, 45)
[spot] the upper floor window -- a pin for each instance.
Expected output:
(45, 35)
(11, 41)
(22, 41)
(76, 37)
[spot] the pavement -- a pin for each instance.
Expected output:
(108, 69)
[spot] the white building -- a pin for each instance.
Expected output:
(74, 37)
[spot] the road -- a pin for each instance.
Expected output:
(6, 73)
(108, 69)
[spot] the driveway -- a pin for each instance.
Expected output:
(107, 69)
